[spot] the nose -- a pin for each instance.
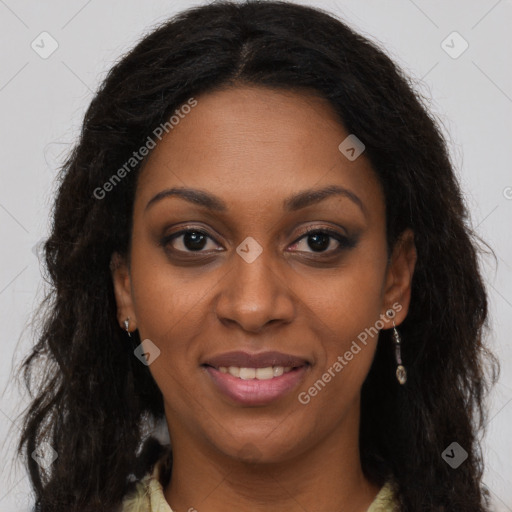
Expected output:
(254, 294)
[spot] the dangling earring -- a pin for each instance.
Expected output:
(126, 324)
(401, 374)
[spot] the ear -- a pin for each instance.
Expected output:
(122, 288)
(398, 283)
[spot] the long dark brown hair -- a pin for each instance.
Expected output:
(94, 396)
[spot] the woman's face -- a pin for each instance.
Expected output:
(223, 274)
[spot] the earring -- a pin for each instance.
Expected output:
(401, 374)
(126, 324)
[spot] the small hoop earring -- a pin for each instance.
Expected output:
(390, 313)
(401, 373)
(126, 325)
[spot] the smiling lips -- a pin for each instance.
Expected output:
(255, 379)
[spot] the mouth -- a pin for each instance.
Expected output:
(255, 379)
(244, 373)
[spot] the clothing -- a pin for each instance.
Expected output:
(149, 497)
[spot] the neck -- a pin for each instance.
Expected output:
(328, 476)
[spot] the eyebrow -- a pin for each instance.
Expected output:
(293, 203)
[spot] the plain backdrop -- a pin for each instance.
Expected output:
(42, 102)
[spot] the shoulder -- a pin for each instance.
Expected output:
(148, 495)
(385, 500)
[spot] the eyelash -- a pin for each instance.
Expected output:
(343, 241)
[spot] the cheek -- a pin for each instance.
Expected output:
(166, 298)
(170, 311)
(345, 310)
(345, 315)
(349, 299)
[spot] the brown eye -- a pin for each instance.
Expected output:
(190, 240)
(322, 241)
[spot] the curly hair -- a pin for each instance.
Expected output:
(94, 397)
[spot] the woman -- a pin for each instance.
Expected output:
(259, 239)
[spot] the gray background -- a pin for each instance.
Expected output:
(42, 102)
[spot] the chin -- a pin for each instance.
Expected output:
(260, 450)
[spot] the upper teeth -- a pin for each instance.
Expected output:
(255, 373)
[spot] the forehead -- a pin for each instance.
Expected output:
(255, 146)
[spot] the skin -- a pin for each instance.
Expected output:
(254, 147)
